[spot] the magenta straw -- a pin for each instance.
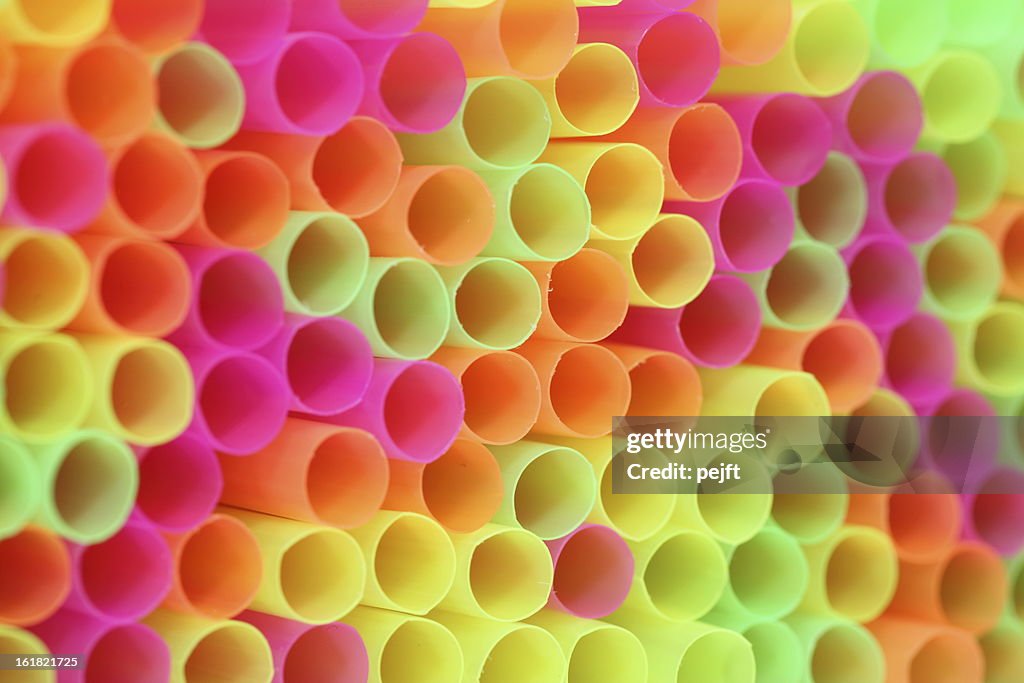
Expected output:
(786, 137)
(179, 483)
(886, 283)
(242, 30)
(994, 511)
(593, 572)
(414, 408)
(236, 300)
(879, 118)
(326, 361)
(310, 84)
(241, 399)
(57, 176)
(920, 358)
(329, 653)
(123, 578)
(715, 330)
(676, 56)
(913, 197)
(960, 438)
(750, 227)
(115, 653)
(358, 19)
(414, 84)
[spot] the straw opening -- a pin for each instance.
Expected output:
(347, 478)
(157, 185)
(246, 201)
(230, 652)
(418, 435)
(506, 121)
(321, 576)
(463, 489)
(410, 309)
(46, 278)
(510, 575)
(589, 385)
(550, 212)
(219, 542)
(327, 263)
(46, 384)
(451, 215)
(502, 396)
(554, 493)
(596, 111)
(146, 414)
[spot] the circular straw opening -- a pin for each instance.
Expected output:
(720, 326)
(961, 96)
(832, 206)
(463, 489)
(778, 653)
(755, 225)
(131, 653)
(962, 272)
(414, 563)
(356, 169)
(790, 138)
(322, 576)
(607, 655)
(664, 384)
(60, 178)
(554, 493)
(451, 215)
(47, 382)
(1004, 654)
(585, 298)
(999, 517)
(717, 657)
(246, 199)
(622, 210)
(920, 195)
(327, 264)
(383, 17)
(218, 543)
(179, 483)
(230, 651)
(845, 653)
(588, 386)
(980, 168)
(34, 576)
(537, 54)
(1000, 361)
(860, 575)
(497, 303)
(200, 96)
(510, 575)
(347, 478)
(946, 658)
(810, 517)
(156, 25)
(240, 302)
(244, 31)
(593, 572)
(634, 517)
(422, 83)
(550, 213)
(110, 92)
(845, 359)
(59, 23)
(792, 394)
(328, 365)
(243, 403)
(524, 649)
(752, 37)
(884, 116)
(145, 288)
(808, 286)
(885, 283)
(320, 105)
(17, 640)
(94, 487)
(506, 121)
(830, 47)
(768, 574)
(597, 111)
(157, 184)
(502, 396)
(673, 261)
(735, 518)
(46, 278)
(151, 393)
(696, 557)
(677, 59)
(972, 589)
(421, 650)
(410, 309)
(418, 435)
(331, 653)
(704, 152)
(19, 487)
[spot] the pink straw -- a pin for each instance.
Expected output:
(886, 283)
(645, 6)
(960, 439)
(676, 55)
(326, 361)
(242, 30)
(913, 197)
(57, 176)
(329, 653)
(878, 118)
(179, 483)
(994, 512)
(236, 300)
(310, 84)
(414, 408)
(920, 358)
(593, 572)
(751, 226)
(414, 84)
(358, 18)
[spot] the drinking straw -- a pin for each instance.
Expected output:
(505, 652)
(832, 206)
(980, 169)
(352, 172)
(327, 363)
(853, 574)
(758, 391)
(241, 399)
(200, 95)
(593, 571)
(245, 202)
(503, 124)
(810, 502)
(676, 55)
(892, 44)
(923, 526)
(58, 177)
(750, 227)
(886, 283)
(993, 514)
(104, 88)
(46, 278)
(825, 52)
(913, 197)
(961, 94)
(836, 650)
(661, 383)
(595, 651)
(179, 483)
(392, 409)
(204, 649)
(749, 33)
(582, 386)
(549, 490)
(668, 265)
(51, 25)
(584, 298)
(325, 652)
(699, 147)
(332, 476)
(778, 654)
(36, 575)
(879, 118)
(962, 273)
(618, 210)
(441, 214)
(200, 584)
(729, 517)
(989, 356)
(1003, 649)
(236, 301)
(962, 439)
(402, 647)
(461, 490)
(313, 574)
(155, 26)
(402, 308)
(114, 652)
(410, 561)
(716, 329)
(920, 358)
(772, 148)
(123, 578)
(1010, 137)
(354, 19)
(805, 290)
(500, 389)
(577, 109)
(1005, 228)
(20, 488)
(244, 32)
(897, 442)
(14, 639)
(501, 573)
(543, 214)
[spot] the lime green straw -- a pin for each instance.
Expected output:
(833, 205)
(803, 291)
(990, 350)
(505, 652)
(495, 303)
(980, 168)
(962, 273)
(597, 652)
(20, 488)
(837, 651)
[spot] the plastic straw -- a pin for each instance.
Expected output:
(354, 19)
(402, 647)
(156, 25)
(914, 197)
(987, 355)
(548, 489)
(310, 472)
(832, 206)
(36, 573)
(506, 652)
(885, 281)
(211, 650)
(963, 454)
(730, 518)
(14, 639)
(749, 32)
(46, 278)
(179, 483)
(661, 383)
(593, 571)
(920, 359)
(242, 31)
(961, 273)
(596, 651)
(1003, 654)
(892, 44)
(923, 527)
(409, 559)
(778, 654)
(327, 652)
(20, 487)
(980, 169)
(1010, 137)
(810, 517)
(960, 92)
(805, 289)
(1005, 229)
(853, 574)
(496, 303)
(878, 118)
(26, 21)
(837, 649)
(767, 577)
